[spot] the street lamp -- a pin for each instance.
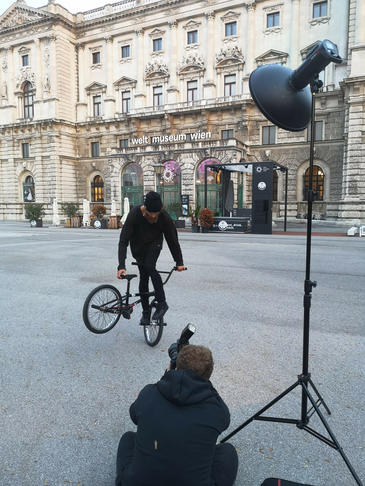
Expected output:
(159, 170)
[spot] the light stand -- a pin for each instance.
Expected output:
(304, 379)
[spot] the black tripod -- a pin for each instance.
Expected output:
(304, 380)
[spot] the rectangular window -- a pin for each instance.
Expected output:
(231, 28)
(188, 137)
(25, 60)
(273, 20)
(193, 37)
(97, 105)
(95, 149)
(319, 9)
(318, 134)
(268, 135)
(96, 57)
(126, 52)
(157, 96)
(157, 45)
(25, 150)
(126, 101)
(192, 90)
(124, 143)
(227, 134)
(230, 85)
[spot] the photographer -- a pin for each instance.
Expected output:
(179, 420)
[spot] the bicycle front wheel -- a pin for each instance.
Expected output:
(101, 309)
(153, 332)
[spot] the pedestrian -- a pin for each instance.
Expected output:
(144, 229)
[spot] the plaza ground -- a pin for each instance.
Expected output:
(65, 392)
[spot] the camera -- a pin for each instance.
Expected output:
(183, 340)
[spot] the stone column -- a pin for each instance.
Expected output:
(172, 91)
(295, 60)
(209, 86)
(53, 65)
(358, 48)
(140, 93)
(38, 70)
(81, 106)
(250, 43)
(11, 78)
(109, 101)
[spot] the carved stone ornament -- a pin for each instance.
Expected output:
(46, 57)
(20, 17)
(46, 84)
(4, 65)
(156, 66)
(233, 53)
(4, 91)
(193, 60)
(25, 75)
(272, 57)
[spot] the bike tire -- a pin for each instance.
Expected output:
(153, 332)
(97, 320)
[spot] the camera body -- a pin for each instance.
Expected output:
(175, 348)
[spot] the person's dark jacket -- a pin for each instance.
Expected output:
(179, 420)
(142, 236)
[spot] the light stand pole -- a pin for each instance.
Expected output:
(159, 169)
(304, 379)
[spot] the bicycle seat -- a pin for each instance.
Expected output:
(128, 277)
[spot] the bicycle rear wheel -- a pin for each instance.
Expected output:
(101, 309)
(153, 332)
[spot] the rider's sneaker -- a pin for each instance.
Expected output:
(160, 311)
(145, 319)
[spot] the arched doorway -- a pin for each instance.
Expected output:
(170, 183)
(214, 187)
(132, 184)
(97, 189)
(28, 189)
(317, 183)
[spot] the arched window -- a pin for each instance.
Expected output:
(214, 186)
(28, 100)
(28, 189)
(97, 189)
(317, 183)
(132, 184)
(170, 183)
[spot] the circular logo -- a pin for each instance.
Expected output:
(168, 175)
(259, 169)
(33, 223)
(261, 186)
(97, 224)
(223, 225)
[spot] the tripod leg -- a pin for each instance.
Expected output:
(320, 397)
(254, 417)
(335, 444)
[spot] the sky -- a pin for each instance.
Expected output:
(71, 5)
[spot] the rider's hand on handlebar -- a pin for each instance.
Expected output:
(121, 273)
(180, 268)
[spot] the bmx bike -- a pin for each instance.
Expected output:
(105, 304)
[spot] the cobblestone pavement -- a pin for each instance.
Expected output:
(65, 392)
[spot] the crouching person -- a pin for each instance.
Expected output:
(179, 420)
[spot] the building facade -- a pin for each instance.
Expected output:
(140, 95)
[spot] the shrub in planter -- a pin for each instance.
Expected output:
(70, 209)
(206, 218)
(174, 210)
(34, 212)
(194, 215)
(99, 211)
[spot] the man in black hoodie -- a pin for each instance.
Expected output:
(179, 420)
(144, 229)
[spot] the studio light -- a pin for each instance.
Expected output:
(282, 95)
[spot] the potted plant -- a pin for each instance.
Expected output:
(206, 219)
(175, 211)
(99, 212)
(71, 210)
(194, 217)
(35, 212)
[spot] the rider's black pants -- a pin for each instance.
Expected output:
(147, 270)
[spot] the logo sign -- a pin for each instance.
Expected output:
(223, 225)
(261, 186)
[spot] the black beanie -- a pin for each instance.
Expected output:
(153, 202)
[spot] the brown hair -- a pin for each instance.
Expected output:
(196, 358)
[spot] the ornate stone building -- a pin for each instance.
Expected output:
(93, 104)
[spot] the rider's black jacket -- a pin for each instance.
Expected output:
(143, 236)
(179, 420)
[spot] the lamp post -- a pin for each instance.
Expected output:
(159, 170)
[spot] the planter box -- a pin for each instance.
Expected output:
(179, 223)
(36, 223)
(230, 224)
(195, 229)
(76, 222)
(205, 229)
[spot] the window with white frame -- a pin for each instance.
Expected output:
(318, 131)
(124, 143)
(25, 150)
(157, 45)
(193, 37)
(192, 88)
(96, 57)
(157, 96)
(95, 149)
(268, 135)
(126, 51)
(227, 134)
(320, 9)
(25, 60)
(28, 100)
(97, 105)
(273, 20)
(230, 85)
(230, 29)
(126, 101)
